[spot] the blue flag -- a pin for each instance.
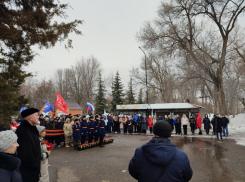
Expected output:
(48, 107)
(152, 113)
(22, 109)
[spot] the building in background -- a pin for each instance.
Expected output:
(161, 109)
(73, 108)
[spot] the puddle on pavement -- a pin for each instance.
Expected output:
(209, 153)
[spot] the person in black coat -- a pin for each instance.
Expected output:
(192, 122)
(217, 127)
(42, 120)
(206, 122)
(139, 121)
(178, 125)
(130, 124)
(58, 126)
(170, 121)
(160, 160)
(109, 123)
(116, 124)
(9, 163)
(225, 121)
(29, 151)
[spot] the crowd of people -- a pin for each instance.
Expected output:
(28, 136)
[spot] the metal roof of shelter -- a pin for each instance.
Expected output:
(158, 106)
(72, 105)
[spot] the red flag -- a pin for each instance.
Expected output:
(60, 103)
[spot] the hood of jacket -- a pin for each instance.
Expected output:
(198, 115)
(9, 162)
(159, 151)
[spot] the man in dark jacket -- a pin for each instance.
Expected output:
(159, 160)
(29, 151)
(225, 121)
(109, 124)
(42, 120)
(50, 124)
(217, 126)
(178, 125)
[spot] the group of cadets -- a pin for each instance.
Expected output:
(93, 129)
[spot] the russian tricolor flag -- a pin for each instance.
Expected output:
(90, 107)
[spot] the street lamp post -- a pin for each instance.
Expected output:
(145, 75)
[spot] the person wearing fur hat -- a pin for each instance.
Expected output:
(91, 128)
(9, 163)
(159, 159)
(76, 128)
(68, 132)
(44, 175)
(84, 129)
(29, 151)
(102, 131)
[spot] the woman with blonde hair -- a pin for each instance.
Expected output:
(116, 124)
(68, 132)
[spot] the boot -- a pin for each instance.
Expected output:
(72, 145)
(67, 145)
(75, 147)
(79, 148)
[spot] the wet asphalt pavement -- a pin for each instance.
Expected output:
(211, 160)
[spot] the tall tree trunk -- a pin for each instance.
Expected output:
(220, 92)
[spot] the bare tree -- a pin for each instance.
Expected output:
(160, 77)
(180, 30)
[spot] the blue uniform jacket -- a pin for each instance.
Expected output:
(160, 160)
(110, 119)
(97, 129)
(91, 128)
(102, 130)
(76, 131)
(84, 128)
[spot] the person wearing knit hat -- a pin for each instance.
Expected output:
(9, 165)
(162, 129)
(44, 175)
(29, 151)
(7, 139)
(159, 159)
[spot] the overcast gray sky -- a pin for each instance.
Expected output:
(108, 34)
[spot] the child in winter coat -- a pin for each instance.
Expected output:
(68, 132)
(44, 175)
